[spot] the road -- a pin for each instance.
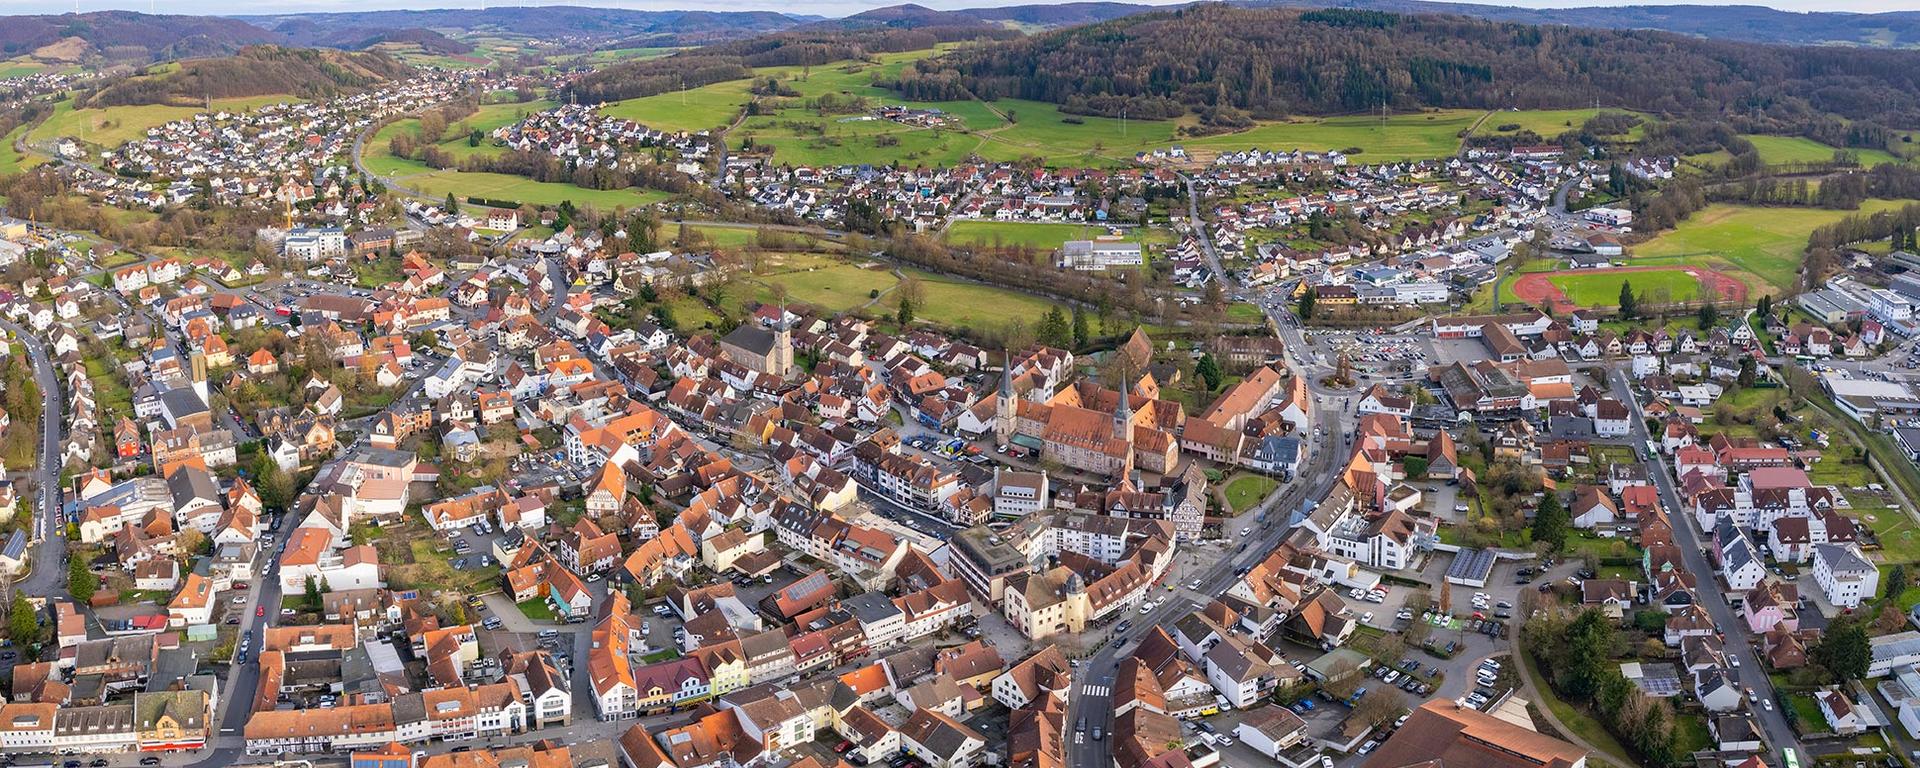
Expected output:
(1739, 642)
(1091, 697)
(48, 578)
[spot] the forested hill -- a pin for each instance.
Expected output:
(735, 60)
(1731, 22)
(1228, 64)
(255, 71)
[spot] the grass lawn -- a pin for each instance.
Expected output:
(1690, 734)
(1768, 242)
(1599, 290)
(1807, 711)
(537, 609)
(12, 160)
(1899, 536)
(114, 126)
(1416, 136)
(956, 303)
(1041, 130)
(1247, 490)
(696, 109)
(1800, 149)
(500, 186)
(664, 654)
(1245, 313)
(1583, 545)
(836, 287)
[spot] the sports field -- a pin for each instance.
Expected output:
(500, 186)
(1026, 235)
(114, 126)
(1800, 149)
(1599, 290)
(1769, 243)
(834, 287)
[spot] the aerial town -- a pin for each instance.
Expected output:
(539, 388)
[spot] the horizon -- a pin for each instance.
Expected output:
(827, 8)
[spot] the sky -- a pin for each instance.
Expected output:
(818, 7)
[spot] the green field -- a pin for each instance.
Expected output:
(1602, 290)
(114, 126)
(1800, 149)
(500, 186)
(1765, 242)
(958, 303)
(1400, 137)
(831, 286)
(1548, 123)
(848, 136)
(1245, 491)
(1043, 236)
(696, 109)
(11, 161)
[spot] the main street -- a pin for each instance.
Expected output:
(1091, 697)
(48, 578)
(1739, 642)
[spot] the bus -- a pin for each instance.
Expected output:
(1789, 758)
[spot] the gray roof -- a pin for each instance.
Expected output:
(752, 338)
(1841, 559)
(871, 607)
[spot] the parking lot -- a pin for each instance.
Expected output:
(1383, 355)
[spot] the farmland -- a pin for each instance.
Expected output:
(1020, 234)
(1765, 242)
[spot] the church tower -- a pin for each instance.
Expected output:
(783, 347)
(1123, 418)
(1005, 409)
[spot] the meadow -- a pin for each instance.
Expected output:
(1800, 149)
(485, 120)
(114, 126)
(1419, 136)
(696, 109)
(1043, 236)
(1766, 242)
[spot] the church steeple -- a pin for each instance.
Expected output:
(1005, 408)
(1123, 416)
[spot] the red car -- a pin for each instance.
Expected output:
(843, 746)
(260, 611)
(241, 585)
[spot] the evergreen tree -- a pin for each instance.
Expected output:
(1550, 521)
(1844, 650)
(905, 313)
(452, 206)
(23, 624)
(1306, 304)
(1054, 329)
(1080, 331)
(313, 594)
(1209, 372)
(1629, 305)
(1764, 305)
(1896, 581)
(1709, 315)
(80, 581)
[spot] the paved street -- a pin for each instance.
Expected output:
(48, 578)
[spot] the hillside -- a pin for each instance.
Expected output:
(1732, 22)
(1229, 64)
(130, 37)
(811, 45)
(254, 71)
(568, 23)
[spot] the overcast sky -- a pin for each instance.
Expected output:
(820, 7)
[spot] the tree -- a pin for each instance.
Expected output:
(1709, 315)
(452, 206)
(1629, 306)
(1764, 305)
(80, 581)
(1379, 707)
(1586, 654)
(313, 595)
(1747, 372)
(1080, 333)
(23, 624)
(1054, 330)
(1306, 304)
(1550, 522)
(1844, 651)
(1209, 372)
(904, 315)
(1896, 580)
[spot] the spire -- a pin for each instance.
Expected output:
(1006, 375)
(1123, 416)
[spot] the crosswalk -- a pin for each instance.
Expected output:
(1095, 690)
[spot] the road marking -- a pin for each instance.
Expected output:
(1094, 690)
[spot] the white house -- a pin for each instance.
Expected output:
(1844, 574)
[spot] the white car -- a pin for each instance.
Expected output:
(1366, 618)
